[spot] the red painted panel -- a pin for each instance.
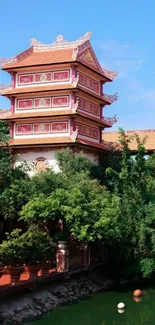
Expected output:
(60, 101)
(94, 133)
(43, 77)
(89, 107)
(24, 128)
(61, 75)
(96, 110)
(59, 127)
(25, 79)
(81, 78)
(96, 86)
(42, 102)
(25, 104)
(88, 131)
(89, 83)
(41, 128)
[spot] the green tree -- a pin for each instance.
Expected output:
(137, 208)
(71, 163)
(4, 133)
(87, 209)
(9, 175)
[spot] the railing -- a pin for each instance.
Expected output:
(74, 260)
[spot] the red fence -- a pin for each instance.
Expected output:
(75, 259)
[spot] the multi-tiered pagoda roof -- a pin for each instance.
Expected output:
(56, 86)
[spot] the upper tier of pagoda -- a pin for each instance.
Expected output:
(57, 96)
(59, 51)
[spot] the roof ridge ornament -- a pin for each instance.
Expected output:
(60, 43)
(34, 42)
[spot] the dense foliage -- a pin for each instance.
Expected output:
(31, 247)
(113, 204)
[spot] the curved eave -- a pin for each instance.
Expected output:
(43, 115)
(95, 145)
(99, 121)
(34, 90)
(16, 68)
(99, 73)
(41, 141)
(93, 94)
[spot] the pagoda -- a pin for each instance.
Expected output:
(57, 101)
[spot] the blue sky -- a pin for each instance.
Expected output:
(123, 39)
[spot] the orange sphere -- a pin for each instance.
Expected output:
(137, 293)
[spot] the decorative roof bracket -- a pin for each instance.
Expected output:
(110, 98)
(75, 107)
(76, 80)
(74, 135)
(110, 74)
(111, 120)
(4, 88)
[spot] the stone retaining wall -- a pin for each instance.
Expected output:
(32, 305)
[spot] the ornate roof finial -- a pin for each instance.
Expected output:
(59, 38)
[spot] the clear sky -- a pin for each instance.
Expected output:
(123, 39)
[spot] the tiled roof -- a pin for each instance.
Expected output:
(102, 98)
(4, 113)
(43, 57)
(36, 89)
(36, 114)
(59, 51)
(38, 141)
(93, 144)
(25, 90)
(99, 120)
(112, 137)
(55, 141)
